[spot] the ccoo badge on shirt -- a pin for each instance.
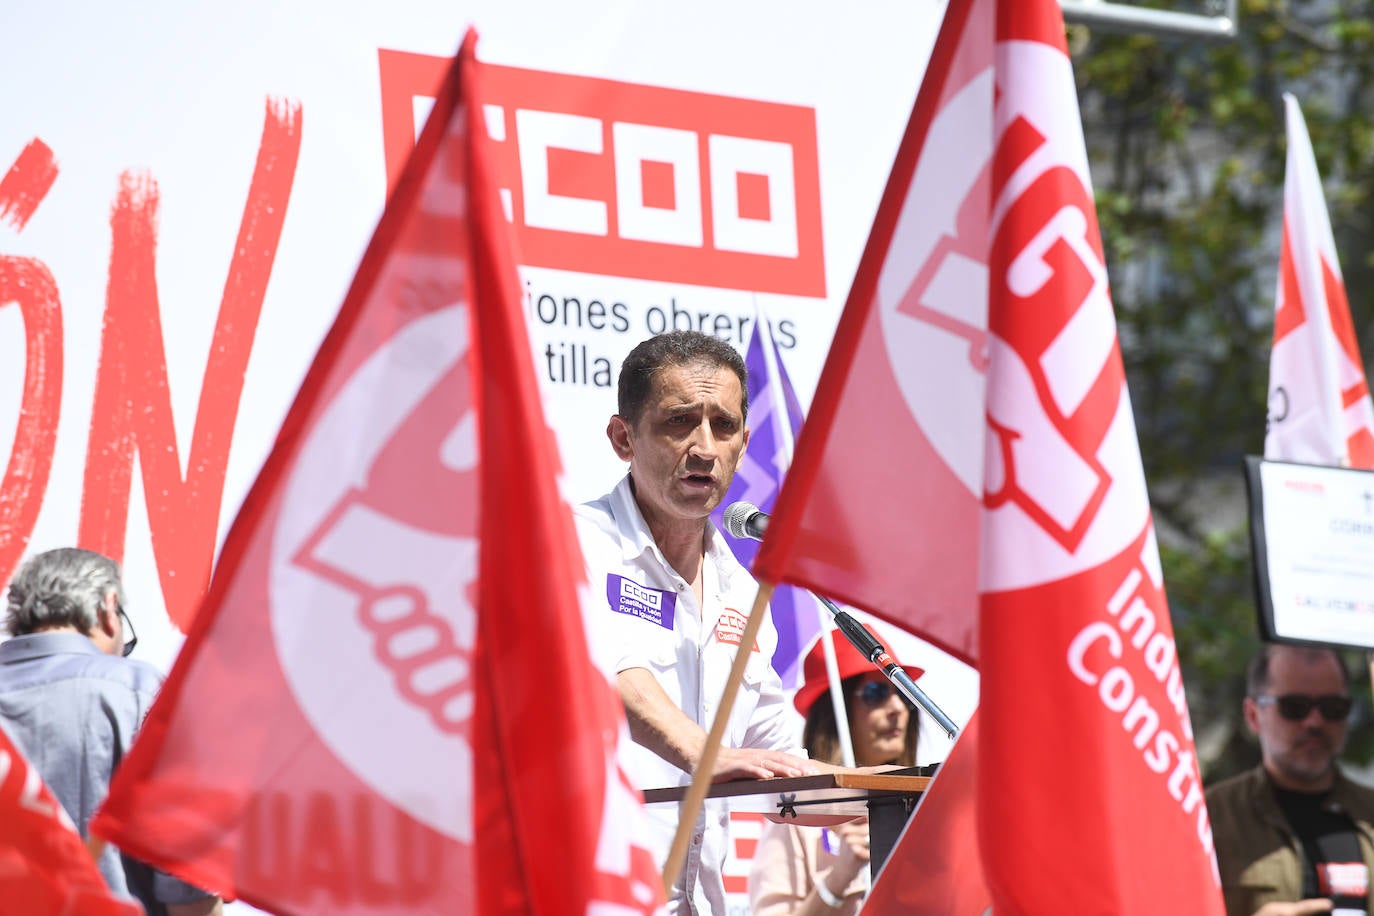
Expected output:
(629, 597)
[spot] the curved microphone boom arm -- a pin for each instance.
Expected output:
(745, 520)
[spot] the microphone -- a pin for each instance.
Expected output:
(746, 520)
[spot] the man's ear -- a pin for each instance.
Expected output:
(618, 431)
(1251, 710)
(107, 615)
(745, 446)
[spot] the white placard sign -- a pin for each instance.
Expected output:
(1312, 528)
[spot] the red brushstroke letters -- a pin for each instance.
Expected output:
(131, 412)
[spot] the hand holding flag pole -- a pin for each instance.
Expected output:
(745, 520)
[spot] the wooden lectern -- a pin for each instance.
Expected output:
(887, 798)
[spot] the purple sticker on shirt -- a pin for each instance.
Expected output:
(629, 597)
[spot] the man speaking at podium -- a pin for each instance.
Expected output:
(675, 598)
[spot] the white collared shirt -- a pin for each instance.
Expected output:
(644, 615)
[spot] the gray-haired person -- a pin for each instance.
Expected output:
(72, 701)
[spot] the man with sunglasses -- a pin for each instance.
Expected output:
(72, 702)
(1294, 835)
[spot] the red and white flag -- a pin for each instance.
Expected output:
(895, 432)
(44, 865)
(934, 868)
(1319, 406)
(386, 704)
(1075, 630)
(989, 214)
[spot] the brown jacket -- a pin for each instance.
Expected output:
(1259, 857)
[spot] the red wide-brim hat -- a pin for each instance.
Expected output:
(847, 659)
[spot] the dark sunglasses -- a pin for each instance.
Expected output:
(874, 693)
(1295, 706)
(128, 631)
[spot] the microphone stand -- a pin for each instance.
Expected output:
(871, 649)
(746, 520)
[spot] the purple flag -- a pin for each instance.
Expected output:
(775, 416)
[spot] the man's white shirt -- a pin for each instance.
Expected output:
(642, 614)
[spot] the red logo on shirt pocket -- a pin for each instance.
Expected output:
(730, 628)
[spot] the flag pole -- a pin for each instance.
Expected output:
(701, 776)
(832, 671)
(782, 426)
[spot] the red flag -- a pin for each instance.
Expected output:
(1319, 406)
(1076, 642)
(44, 866)
(904, 379)
(386, 703)
(990, 206)
(935, 869)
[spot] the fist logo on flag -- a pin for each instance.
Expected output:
(410, 634)
(935, 321)
(1062, 476)
(1064, 434)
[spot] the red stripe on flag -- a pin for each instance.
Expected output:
(1339, 308)
(1290, 313)
(1361, 446)
(1355, 393)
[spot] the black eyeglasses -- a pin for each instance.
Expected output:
(128, 630)
(874, 693)
(1295, 706)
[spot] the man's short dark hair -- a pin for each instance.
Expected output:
(1257, 674)
(675, 348)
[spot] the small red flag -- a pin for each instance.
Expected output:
(44, 865)
(387, 704)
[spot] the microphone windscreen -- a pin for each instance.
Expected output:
(737, 516)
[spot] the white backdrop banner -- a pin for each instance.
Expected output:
(185, 192)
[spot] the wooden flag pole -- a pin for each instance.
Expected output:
(95, 846)
(701, 777)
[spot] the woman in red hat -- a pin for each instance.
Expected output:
(816, 871)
